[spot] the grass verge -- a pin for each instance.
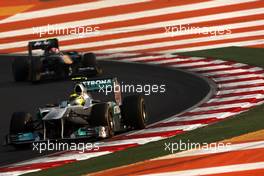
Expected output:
(251, 56)
(244, 123)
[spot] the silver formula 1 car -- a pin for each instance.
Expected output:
(81, 116)
(51, 63)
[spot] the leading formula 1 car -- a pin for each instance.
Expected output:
(53, 63)
(81, 116)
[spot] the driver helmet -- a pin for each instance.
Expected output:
(76, 99)
(79, 89)
(54, 50)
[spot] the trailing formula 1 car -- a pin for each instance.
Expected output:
(81, 116)
(53, 63)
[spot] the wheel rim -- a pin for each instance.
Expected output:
(110, 121)
(144, 115)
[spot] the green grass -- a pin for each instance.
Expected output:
(251, 56)
(244, 123)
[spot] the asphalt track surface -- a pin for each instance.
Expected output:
(183, 90)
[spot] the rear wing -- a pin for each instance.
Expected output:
(43, 44)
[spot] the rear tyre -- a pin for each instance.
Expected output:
(20, 69)
(134, 111)
(36, 67)
(102, 116)
(21, 122)
(89, 60)
(62, 72)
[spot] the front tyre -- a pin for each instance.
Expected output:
(21, 122)
(134, 111)
(101, 115)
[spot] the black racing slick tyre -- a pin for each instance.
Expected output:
(21, 122)
(89, 60)
(133, 111)
(101, 115)
(20, 69)
(62, 72)
(36, 67)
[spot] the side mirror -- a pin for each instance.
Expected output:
(63, 104)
